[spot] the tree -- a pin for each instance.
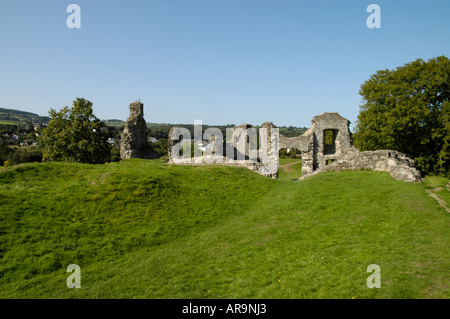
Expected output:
(161, 147)
(5, 153)
(408, 109)
(75, 135)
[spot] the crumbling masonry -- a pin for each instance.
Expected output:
(325, 146)
(134, 142)
(239, 150)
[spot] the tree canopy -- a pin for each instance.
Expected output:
(408, 109)
(76, 135)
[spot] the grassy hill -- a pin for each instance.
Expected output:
(146, 229)
(10, 116)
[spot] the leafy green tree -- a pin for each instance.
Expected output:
(161, 146)
(5, 153)
(76, 135)
(115, 154)
(30, 138)
(407, 109)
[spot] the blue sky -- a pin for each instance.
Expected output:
(221, 61)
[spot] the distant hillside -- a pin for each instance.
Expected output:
(21, 116)
(158, 130)
(114, 122)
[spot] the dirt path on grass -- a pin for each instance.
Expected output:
(438, 199)
(287, 167)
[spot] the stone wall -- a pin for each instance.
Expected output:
(328, 146)
(315, 152)
(397, 164)
(134, 142)
(235, 152)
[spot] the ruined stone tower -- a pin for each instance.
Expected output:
(134, 142)
(327, 146)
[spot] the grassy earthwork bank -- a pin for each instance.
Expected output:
(146, 229)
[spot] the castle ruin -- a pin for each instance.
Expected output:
(325, 146)
(238, 149)
(134, 142)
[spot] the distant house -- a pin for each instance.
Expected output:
(152, 139)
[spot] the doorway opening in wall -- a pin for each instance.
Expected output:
(329, 141)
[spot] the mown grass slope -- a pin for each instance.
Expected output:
(145, 229)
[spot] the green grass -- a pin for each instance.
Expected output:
(145, 229)
(440, 186)
(290, 169)
(5, 122)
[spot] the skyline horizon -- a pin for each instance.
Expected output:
(148, 122)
